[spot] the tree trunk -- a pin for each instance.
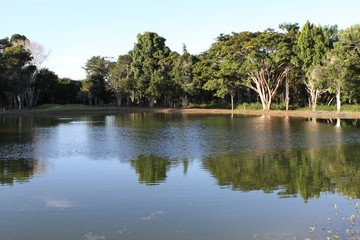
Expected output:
(89, 98)
(232, 101)
(184, 101)
(313, 100)
(314, 94)
(266, 85)
(10, 100)
(36, 99)
(128, 101)
(287, 97)
(14, 100)
(265, 101)
(261, 96)
(19, 98)
(151, 102)
(118, 98)
(338, 98)
(29, 97)
(131, 97)
(269, 101)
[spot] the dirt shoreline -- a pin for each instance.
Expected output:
(279, 113)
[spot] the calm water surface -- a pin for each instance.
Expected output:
(168, 176)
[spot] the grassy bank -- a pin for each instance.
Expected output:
(69, 109)
(73, 109)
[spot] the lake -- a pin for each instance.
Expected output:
(177, 176)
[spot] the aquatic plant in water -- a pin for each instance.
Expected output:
(349, 227)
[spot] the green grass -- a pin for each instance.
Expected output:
(249, 106)
(331, 108)
(57, 106)
(221, 105)
(350, 108)
(344, 108)
(70, 107)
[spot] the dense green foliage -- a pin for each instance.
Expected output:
(294, 66)
(24, 82)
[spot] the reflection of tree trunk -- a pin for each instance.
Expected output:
(186, 166)
(338, 122)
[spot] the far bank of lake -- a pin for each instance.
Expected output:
(115, 110)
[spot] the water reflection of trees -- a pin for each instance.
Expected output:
(305, 172)
(18, 170)
(152, 169)
(20, 158)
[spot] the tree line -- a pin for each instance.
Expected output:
(292, 66)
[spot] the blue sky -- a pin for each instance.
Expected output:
(76, 30)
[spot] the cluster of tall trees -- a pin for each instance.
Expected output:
(292, 66)
(23, 80)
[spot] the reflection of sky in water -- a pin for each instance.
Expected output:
(178, 138)
(56, 203)
(77, 197)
